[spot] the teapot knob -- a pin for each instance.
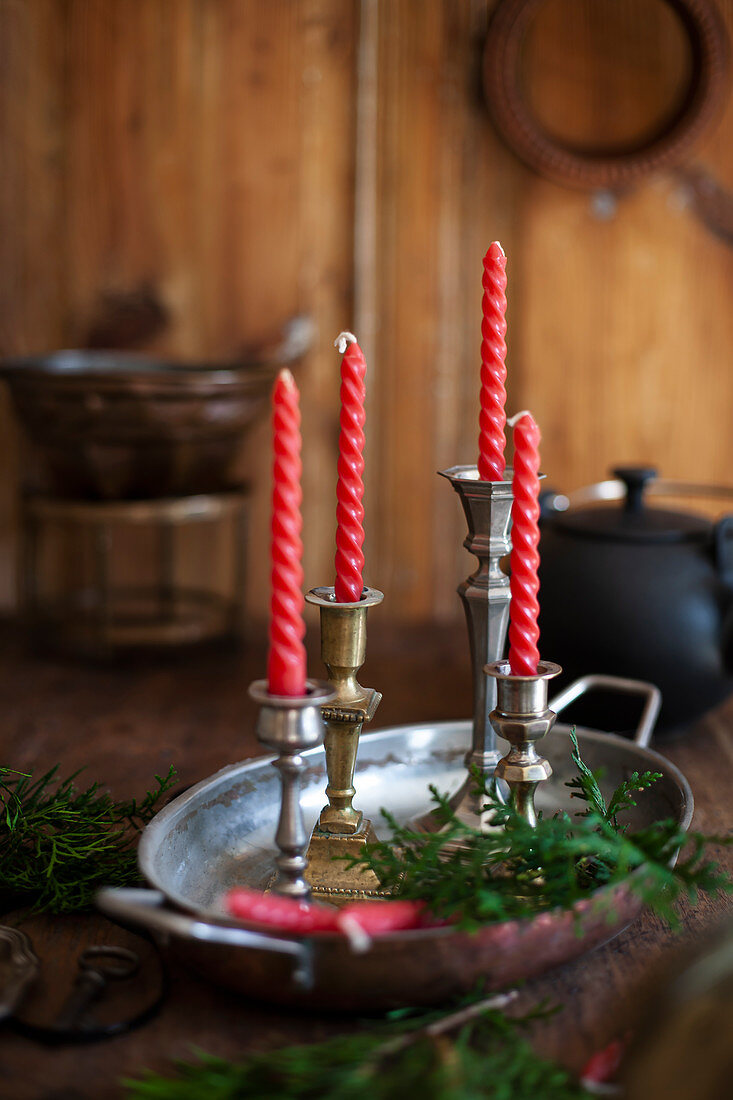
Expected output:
(635, 478)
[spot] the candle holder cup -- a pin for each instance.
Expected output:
(288, 725)
(342, 831)
(485, 595)
(523, 718)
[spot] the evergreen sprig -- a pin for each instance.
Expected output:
(512, 871)
(516, 869)
(585, 786)
(59, 844)
(474, 1053)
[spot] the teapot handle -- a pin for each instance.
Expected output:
(723, 543)
(651, 693)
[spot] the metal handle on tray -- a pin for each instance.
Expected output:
(147, 908)
(652, 694)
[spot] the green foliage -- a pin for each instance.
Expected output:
(59, 845)
(515, 869)
(476, 1053)
(585, 786)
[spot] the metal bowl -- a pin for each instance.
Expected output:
(112, 425)
(219, 834)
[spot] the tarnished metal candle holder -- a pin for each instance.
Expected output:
(485, 596)
(523, 718)
(342, 830)
(288, 725)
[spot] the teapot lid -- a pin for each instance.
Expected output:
(633, 522)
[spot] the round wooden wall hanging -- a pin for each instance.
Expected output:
(615, 166)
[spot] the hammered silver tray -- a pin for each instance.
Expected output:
(219, 834)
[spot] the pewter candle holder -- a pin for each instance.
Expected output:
(485, 596)
(342, 830)
(288, 725)
(523, 718)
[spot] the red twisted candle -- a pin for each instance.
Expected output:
(492, 418)
(525, 559)
(350, 488)
(286, 661)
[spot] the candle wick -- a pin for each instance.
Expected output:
(343, 340)
(518, 416)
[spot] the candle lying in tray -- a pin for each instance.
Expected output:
(525, 559)
(492, 418)
(286, 666)
(350, 488)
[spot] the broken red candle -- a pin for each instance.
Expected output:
(281, 913)
(603, 1066)
(525, 559)
(359, 920)
(286, 668)
(350, 487)
(492, 418)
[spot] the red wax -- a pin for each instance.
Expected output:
(373, 918)
(284, 914)
(605, 1064)
(525, 559)
(492, 418)
(286, 661)
(350, 488)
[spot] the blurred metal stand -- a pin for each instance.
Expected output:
(99, 577)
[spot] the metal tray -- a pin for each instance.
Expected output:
(219, 834)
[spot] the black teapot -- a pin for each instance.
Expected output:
(638, 591)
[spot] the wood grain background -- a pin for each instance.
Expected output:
(241, 161)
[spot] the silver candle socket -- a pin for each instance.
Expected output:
(523, 718)
(485, 595)
(288, 725)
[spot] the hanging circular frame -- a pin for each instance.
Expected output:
(503, 86)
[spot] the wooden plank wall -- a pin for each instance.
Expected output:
(205, 152)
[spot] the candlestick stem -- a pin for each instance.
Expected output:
(342, 830)
(485, 596)
(523, 718)
(288, 725)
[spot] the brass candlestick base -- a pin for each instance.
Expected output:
(523, 718)
(329, 874)
(343, 830)
(288, 725)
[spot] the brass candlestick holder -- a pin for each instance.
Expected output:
(342, 830)
(523, 718)
(485, 596)
(288, 725)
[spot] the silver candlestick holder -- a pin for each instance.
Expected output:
(523, 718)
(485, 596)
(288, 725)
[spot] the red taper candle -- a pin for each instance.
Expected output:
(286, 667)
(525, 559)
(492, 418)
(350, 487)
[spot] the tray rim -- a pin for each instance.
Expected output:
(151, 839)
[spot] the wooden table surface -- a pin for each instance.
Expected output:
(128, 721)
